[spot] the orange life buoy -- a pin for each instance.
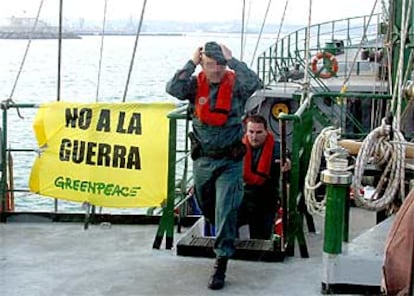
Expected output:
(330, 65)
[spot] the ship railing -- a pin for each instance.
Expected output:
(19, 150)
(344, 38)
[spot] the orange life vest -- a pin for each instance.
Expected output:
(219, 114)
(262, 172)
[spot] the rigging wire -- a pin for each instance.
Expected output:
(10, 99)
(405, 20)
(261, 31)
(398, 94)
(242, 30)
(406, 113)
(59, 76)
(348, 77)
(378, 108)
(26, 50)
(282, 22)
(134, 51)
(357, 53)
(247, 24)
(306, 84)
(389, 50)
(59, 50)
(101, 51)
(278, 33)
(385, 9)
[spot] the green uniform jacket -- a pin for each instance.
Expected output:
(183, 86)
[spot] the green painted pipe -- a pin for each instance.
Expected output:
(334, 217)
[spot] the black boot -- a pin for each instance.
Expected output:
(217, 279)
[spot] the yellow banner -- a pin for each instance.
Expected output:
(111, 155)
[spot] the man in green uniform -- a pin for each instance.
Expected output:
(217, 96)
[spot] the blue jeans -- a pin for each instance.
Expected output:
(219, 190)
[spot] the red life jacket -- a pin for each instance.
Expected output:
(219, 114)
(262, 172)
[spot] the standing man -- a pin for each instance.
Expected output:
(217, 96)
(261, 179)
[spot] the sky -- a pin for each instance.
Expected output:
(194, 11)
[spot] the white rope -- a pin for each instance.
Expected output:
(377, 149)
(325, 141)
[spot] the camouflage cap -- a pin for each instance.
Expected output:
(213, 50)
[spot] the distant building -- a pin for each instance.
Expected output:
(27, 28)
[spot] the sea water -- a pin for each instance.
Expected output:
(156, 60)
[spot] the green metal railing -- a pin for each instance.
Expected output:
(166, 225)
(290, 49)
(178, 174)
(5, 190)
(304, 133)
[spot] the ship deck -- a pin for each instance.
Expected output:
(64, 259)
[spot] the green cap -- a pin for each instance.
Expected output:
(213, 50)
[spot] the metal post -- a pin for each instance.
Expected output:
(337, 181)
(3, 181)
(334, 217)
(166, 224)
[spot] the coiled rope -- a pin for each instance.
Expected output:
(325, 141)
(378, 149)
(385, 145)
